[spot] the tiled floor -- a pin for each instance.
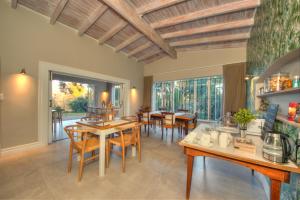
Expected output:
(41, 174)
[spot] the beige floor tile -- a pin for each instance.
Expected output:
(41, 174)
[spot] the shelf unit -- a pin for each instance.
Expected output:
(284, 119)
(287, 91)
(275, 67)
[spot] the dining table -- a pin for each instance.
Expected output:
(277, 173)
(103, 129)
(179, 116)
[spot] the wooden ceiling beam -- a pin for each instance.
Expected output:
(58, 10)
(212, 39)
(139, 49)
(109, 34)
(156, 5)
(129, 41)
(154, 58)
(92, 18)
(129, 13)
(148, 55)
(208, 12)
(14, 4)
(210, 28)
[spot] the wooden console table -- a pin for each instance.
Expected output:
(276, 172)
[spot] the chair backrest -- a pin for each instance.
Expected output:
(134, 130)
(146, 116)
(169, 118)
(162, 109)
(195, 119)
(77, 133)
(182, 110)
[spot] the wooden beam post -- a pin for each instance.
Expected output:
(94, 16)
(129, 13)
(109, 34)
(210, 28)
(156, 5)
(129, 41)
(208, 12)
(139, 49)
(148, 55)
(58, 10)
(14, 4)
(211, 39)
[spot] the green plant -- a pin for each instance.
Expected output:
(79, 104)
(243, 117)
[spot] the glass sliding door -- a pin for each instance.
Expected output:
(202, 95)
(202, 98)
(216, 94)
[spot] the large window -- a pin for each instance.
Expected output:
(116, 96)
(202, 95)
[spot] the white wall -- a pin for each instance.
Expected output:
(194, 64)
(27, 38)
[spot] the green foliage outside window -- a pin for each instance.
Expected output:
(79, 105)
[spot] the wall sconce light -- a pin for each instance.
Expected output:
(248, 77)
(23, 71)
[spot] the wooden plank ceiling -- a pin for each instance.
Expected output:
(148, 30)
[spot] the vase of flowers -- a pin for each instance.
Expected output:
(242, 118)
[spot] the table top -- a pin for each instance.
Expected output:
(183, 116)
(101, 125)
(190, 141)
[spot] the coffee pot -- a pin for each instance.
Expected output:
(277, 147)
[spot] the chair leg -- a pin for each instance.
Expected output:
(70, 158)
(145, 128)
(81, 166)
(148, 129)
(107, 156)
(139, 151)
(93, 154)
(172, 134)
(123, 159)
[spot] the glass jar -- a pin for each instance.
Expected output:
(277, 81)
(296, 81)
(267, 85)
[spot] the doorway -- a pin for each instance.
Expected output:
(63, 92)
(73, 97)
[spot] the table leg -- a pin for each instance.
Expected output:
(162, 129)
(186, 127)
(275, 189)
(102, 155)
(190, 162)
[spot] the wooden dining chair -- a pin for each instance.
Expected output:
(128, 135)
(180, 110)
(86, 145)
(169, 122)
(147, 121)
(191, 125)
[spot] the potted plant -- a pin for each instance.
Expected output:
(242, 118)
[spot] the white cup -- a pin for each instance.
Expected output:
(214, 136)
(205, 139)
